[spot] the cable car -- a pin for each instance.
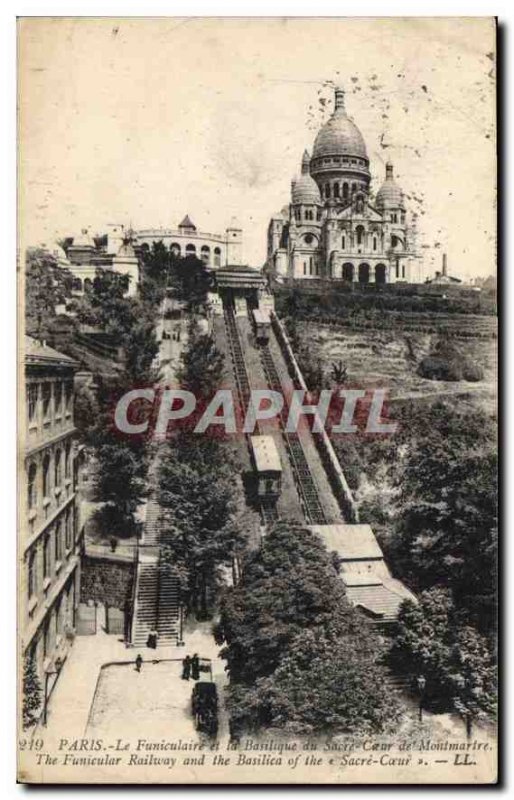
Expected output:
(267, 467)
(261, 324)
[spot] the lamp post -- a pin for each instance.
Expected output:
(422, 682)
(180, 641)
(48, 672)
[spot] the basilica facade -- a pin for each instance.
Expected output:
(334, 227)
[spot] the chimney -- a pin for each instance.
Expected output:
(445, 265)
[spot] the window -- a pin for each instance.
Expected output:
(206, 254)
(345, 191)
(46, 639)
(67, 529)
(31, 574)
(374, 243)
(46, 557)
(308, 238)
(343, 244)
(47, 396)
(32, 400)
(360, 233)
(354, 187)
(327, 191)
(336, 190)
(310, 265)
(57, 469)
(217, 257)
(58, 397)
(68, 394)
(190, 250)
(67, 460)
(58, 541)
(403, 270)
(32, 487)
(305, 268)
(397, 269)
(46, 476)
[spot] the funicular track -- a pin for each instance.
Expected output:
(308, 491)
(268, 511)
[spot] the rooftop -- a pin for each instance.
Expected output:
(350, 542)
(37, 352)
(265, 454)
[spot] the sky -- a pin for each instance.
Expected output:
(140, 121)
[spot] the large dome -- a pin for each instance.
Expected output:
(340, 135)
(389, 195)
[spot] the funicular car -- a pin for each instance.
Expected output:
(261, 325)
(267, 467)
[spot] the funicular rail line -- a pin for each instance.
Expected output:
(268, 511)
(305, 482)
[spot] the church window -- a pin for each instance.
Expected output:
(336, 190)
(354, 187)
(310, 265)
(305, 268)
(345, 191)
(318, 214)
(308, 238)
(360, 233)
(327, 191)
(397, 268)
(344, 242)
(403, 270)
(374, 243)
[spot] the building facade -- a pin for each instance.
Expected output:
(215, 250)
(84, 257)
(49, 542)
(334, 227)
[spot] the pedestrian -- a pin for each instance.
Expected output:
(195, 667)
(152, 640)
(139, 662)
(186, 668)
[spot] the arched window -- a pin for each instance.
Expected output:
(68, 394)
(58, 397)
(57, 469)
(217, 257)
(336, 190)
(363, 273)
(175, 249)
(347, 272)
(343, 242)
(394, 241)
(32, 487)
(31, 574)
(380, 273)
(318, 214)
(46, 476)
(360, 233)
(206, 254)
(88, 284)
(32, 395)
(327, 191)
(354, 187)
(374, 243)
(190, 250)
(345, 191)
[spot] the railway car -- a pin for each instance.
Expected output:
(261, 324)
(267, 467)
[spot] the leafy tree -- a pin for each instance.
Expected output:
(290, 634)
(31, 692)
(118, 479)
(198, 500)
(454, 659)
(46, 285)
(202, 364)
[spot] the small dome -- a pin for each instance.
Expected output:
(305, 190)
(389, 195)
(340, 135)
(84, 240)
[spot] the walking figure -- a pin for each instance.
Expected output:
(195, 667)
(139, 662)
(186, 668)
(152, 640)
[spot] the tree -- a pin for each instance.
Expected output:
(454, 659)
(202, 365)
(46, 285)
(31, 692)
(289, 632)
(198, 500)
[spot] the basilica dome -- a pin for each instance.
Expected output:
(339, 136)
(389, 195)
(305, 189)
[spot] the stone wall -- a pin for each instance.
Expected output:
(106, 581)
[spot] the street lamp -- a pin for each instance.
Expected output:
(58, 666)
(180, 641)
(422, 682)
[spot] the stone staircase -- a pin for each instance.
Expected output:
(146, 598)
(168, 608)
